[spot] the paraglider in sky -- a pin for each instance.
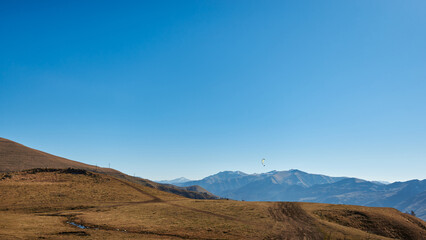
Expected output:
(263, 161)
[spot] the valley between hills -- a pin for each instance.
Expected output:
(43, 196)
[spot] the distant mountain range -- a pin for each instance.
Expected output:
(296, 185)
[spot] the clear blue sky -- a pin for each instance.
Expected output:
(164, 89)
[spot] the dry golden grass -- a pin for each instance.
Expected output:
(58, 190)
(39, 204)
(367, 221)
(36, 226)
(185, 218)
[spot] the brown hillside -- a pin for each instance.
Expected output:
(17, 157)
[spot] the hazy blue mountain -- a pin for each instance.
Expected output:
(296, 185)
(226, 181)
(174, 181)
(404, 196)
(237, 184)
(381, 182)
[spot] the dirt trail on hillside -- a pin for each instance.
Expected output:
(154, 198)
(159, 200)
(292, 222)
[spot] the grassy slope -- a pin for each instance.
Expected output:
(38, 204)
(17, 157)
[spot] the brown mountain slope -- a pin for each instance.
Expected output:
(79, 204)
(17, 157)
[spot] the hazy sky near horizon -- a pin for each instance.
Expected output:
(164, 89)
